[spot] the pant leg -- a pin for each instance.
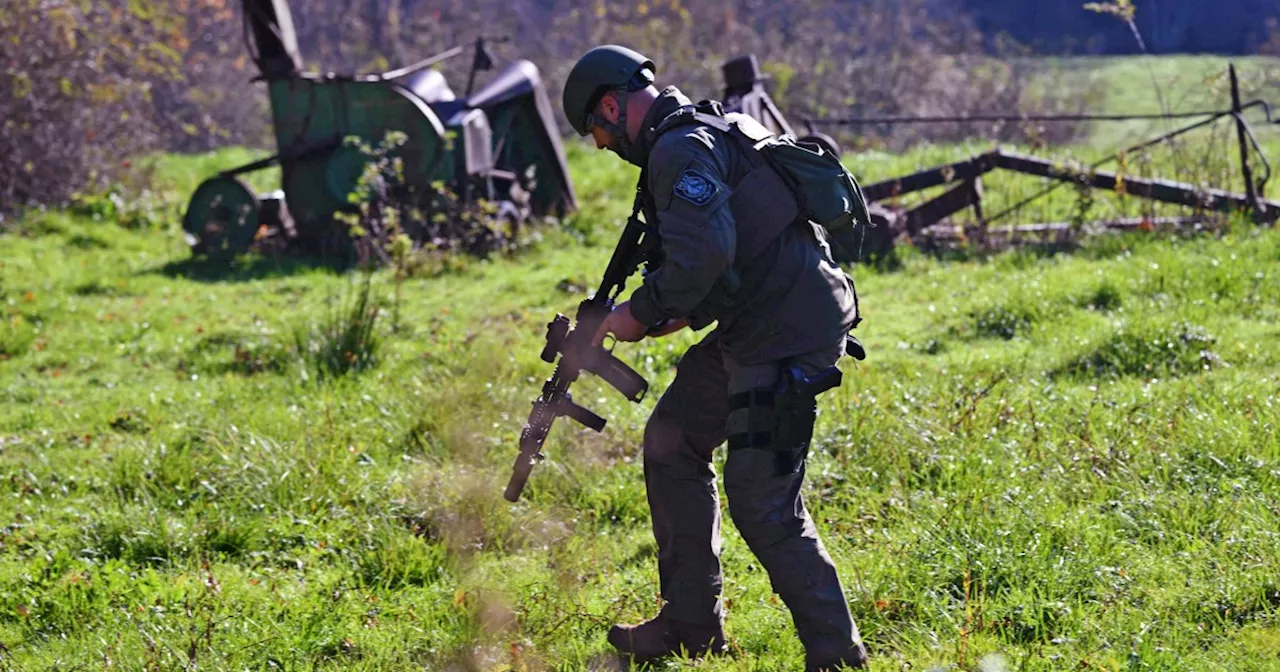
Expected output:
(769, 511)
(679, 438)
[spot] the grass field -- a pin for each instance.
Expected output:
(1048, 462)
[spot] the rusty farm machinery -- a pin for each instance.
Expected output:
(929, 223)
(499, 144)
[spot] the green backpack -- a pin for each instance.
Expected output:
(827, 193)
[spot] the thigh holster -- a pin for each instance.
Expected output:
(781, 418)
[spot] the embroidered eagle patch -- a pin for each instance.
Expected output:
(695, 187)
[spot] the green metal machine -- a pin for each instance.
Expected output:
(500, 144)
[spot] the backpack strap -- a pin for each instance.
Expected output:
(769, 216)
(707, 112)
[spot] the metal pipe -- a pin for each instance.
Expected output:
(858, 121)
(424, 63)
(1236, 110)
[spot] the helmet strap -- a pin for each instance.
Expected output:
(621, 145)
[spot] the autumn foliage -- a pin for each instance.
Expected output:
(87, 84)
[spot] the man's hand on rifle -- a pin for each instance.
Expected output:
(624, 327)
(621, 324)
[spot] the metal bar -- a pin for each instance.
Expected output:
(1236, 110)
(932, 177)
(858, 121)
(1262, 156)
(424, 63)
(1129, 150)
(953, 201)
(1166, 191)
(475, 60)
(1127, 224)
(1054, 233)
(295, 154)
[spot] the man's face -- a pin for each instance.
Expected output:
(603, 138)
(608, 110)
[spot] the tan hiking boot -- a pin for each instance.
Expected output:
(663, 637)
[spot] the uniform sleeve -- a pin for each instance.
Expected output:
(696, 226)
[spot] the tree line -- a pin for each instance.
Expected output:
(88, 83)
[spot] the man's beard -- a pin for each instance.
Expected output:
(621, 147)
(627, 150)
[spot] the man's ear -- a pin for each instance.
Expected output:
(609, 107)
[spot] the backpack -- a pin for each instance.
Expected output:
(826, 192)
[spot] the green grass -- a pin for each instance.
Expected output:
(1047, 462)
(1138, 85)
(1206, 157)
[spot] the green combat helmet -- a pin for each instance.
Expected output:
(604, 68)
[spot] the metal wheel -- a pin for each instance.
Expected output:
(222, 217)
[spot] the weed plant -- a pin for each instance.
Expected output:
(347, 340)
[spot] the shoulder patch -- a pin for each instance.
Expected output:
(695, 187)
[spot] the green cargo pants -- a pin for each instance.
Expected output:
(691, 419)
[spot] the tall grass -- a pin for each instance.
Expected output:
(1049, 461)
(347, 339)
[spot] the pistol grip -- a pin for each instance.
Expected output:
(621, 377)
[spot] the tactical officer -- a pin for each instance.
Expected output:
(735, 253)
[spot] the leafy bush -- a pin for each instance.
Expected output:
(91, 85)
(79, 92)
(1179, 348)
(144, 210)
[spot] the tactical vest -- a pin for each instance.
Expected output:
(790, 182)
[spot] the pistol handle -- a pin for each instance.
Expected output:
(623, 378)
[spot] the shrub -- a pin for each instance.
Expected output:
(1106, 297)
(1179, 348)
(347, 340)
(79, 92)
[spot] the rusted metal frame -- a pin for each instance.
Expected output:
(932, 177)
(968, 193)
(810, 122)
(300, 152)
(1166, 191)
(1129, 150)
(1241, 135)
(1048, 233)
(1125, 224)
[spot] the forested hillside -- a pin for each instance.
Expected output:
(92, 82)
(1167, 26)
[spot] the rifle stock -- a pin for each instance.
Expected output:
(636, 247)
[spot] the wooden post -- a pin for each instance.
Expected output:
(1250, 189)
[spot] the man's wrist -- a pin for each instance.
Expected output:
(644, 310)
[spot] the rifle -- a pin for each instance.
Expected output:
(637, 246)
